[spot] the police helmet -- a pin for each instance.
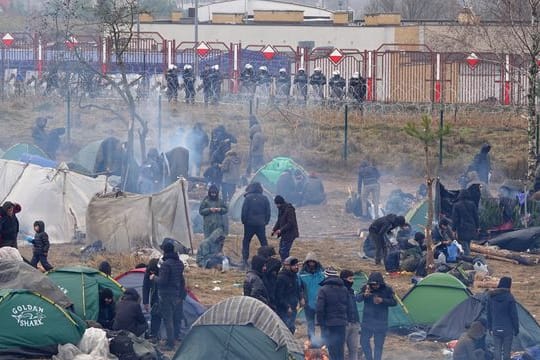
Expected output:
(336, 72)
(282, 70)
(356, 75)
(215, 67)
(187, 67)
(263, 68)
(248, 66)
(317, 69)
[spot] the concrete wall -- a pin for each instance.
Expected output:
(335, 36)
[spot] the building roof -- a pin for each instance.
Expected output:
(248, 6)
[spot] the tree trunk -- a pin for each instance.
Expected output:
(429, 241)
(531, 121)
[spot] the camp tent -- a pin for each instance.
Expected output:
(20, 275)
(59, 197)
(33, 325)
(239, 328)
(17, 151)
(82, 285)
(417, 216)
(86, 157)
(235, 205)
(268, 175)
(125, 221)
(432, 297)
(398, 316)
(455, 322)
(192, 307)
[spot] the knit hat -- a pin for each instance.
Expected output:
(505, 283)
(279, 199)
(291, 260)
(419, 237)
(167, 248)
(345, 274)
(257, 263)
(330, 272)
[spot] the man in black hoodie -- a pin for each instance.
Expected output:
(353, 327)
(107, 311)
(255, 216)
(171, 291)
(288, 292)
(502, 318)
(270, 273)
(9, 224)
(378, 231)
(286, 227)
(333, 313)
(377, 298)
(129, 314)
(253, 283)
(465, 220)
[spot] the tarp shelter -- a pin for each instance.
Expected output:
(398, 316)
(192, 308)
(433, 296)
(235, 205)
(456, 321)
(33, 325)
(18, 150)
(239, 328)
(125, 221)
(59, 197)
(268, 175)
(519, 240)
(20, 275)
(82, 285)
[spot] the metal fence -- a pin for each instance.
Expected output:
(392, 75)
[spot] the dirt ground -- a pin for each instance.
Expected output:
(325, 229)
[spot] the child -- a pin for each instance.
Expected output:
(41, 246)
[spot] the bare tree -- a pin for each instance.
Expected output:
(417, 9)
(114, 20)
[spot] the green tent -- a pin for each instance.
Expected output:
(268, 175)
(16, 151)
(237, 201)
(81, 285)
(86, 157)
(434, 296)
(398, 316)
(239, 328)
(33, 325)
(417, 216)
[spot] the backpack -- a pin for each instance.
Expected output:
(453, 252)
(127, 346)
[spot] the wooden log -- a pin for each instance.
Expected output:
(521, 258)
(493, 257)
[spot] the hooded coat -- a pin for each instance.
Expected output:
(286, 222)
(9, 225)
(256, 207)
(333, 307)
(253, 283)
(384, 224)
(288, 291)
(210, 247)
(375, 316)
(502, 312)
(129, 314)
(311, 280)
(41, 239)
(482, 163)
(231, 168)
(465, 348)
(212, 220)
(465, 217)
(257, 141)
(171, 282)
(107, 311)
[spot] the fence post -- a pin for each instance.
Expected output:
(345, 131)
(39, 58)
(441, 126)
(235, 65)
(507, 84)
(438, 78)
(159, 122)
(369, 95)
(104, 55)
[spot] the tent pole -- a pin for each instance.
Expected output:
(184, 196)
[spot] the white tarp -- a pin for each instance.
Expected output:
(58, 197)
(125, 222)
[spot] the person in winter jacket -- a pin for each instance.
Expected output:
(231, 174)
(286, 227)
(313, 191)
(286, 186)
(213, 174)
(189, 83)
(465, 220)
(482, 163)
(318, 80)
(196, 142)
(466, 348)
(255, 216)
(212, 209)
(368, 184)
(129, 315)
(288, 292)
(41, 246)
(337, 86)
(357, 87)
(311, 276)
(150, 298)
(210, 252)
(502, 318)
(378, 231)
(256, 148)
(300, 82)
(283, 85)
(333, 313)
(171, 291)
(270, 273)
(377, 298)
(9, 224)
(253, 283)
(172, 83)
(352, 332)
(107, 311)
